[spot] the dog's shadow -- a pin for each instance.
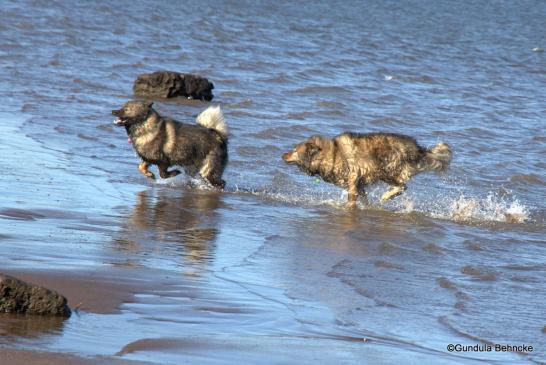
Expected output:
(167, 224)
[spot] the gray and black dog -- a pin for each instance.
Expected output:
(199, 148)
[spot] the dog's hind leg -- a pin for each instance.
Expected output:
(213, 168)
(143, 167)
(398, 184)
(165, 173)
(393, 192)
(362, 192)
(353, 191)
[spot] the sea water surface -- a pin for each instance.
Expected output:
(274, 269)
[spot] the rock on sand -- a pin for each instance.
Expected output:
(17, 296)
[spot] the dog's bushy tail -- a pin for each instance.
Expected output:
(213, 118)
(436, 158)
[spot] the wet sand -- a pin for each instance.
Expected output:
(27, 357)
(100, 291)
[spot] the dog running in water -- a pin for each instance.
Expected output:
(353, 161)
(199, 148)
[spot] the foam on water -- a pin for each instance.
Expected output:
(464, 208)
(492, 208)
(305, 196)
(183, 180)
(459, 207)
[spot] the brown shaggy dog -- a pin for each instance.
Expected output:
(199, 148)
(353, 161)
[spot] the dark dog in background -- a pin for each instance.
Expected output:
(353, 161)
(199, 148)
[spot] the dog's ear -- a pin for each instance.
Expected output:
(150, 104)
(312, 148)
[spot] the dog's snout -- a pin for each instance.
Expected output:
(119, 114)
(288, 156)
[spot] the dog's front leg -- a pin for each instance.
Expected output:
(352, 192)
(165, 173)
(351, 203)
(143, 167)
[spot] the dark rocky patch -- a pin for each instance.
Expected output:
(17, 296)
(168, 84)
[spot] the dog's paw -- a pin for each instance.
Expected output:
(350, 205)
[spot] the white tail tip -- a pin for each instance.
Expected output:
(213, 118)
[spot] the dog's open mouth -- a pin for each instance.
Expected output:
(119, 120)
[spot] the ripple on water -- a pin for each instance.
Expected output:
(20, 214)
(298, 115)
(252, 151)
(532, 179)
(318, 90)
(433, 248)
(539, 138)
(471, 245)
(330, 104)
(283, 132)
(446, 283)
(387, 248)
(386, 121)
(388, 265)
(479, 273)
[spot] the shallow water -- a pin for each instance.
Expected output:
(274, 269)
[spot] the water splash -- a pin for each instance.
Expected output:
(441, 204)
(183, 180)
(304, 196)
(463, 208)
(457, 206)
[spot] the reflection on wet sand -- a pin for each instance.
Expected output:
(358, 231)
(184, 222)
(28, 326)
